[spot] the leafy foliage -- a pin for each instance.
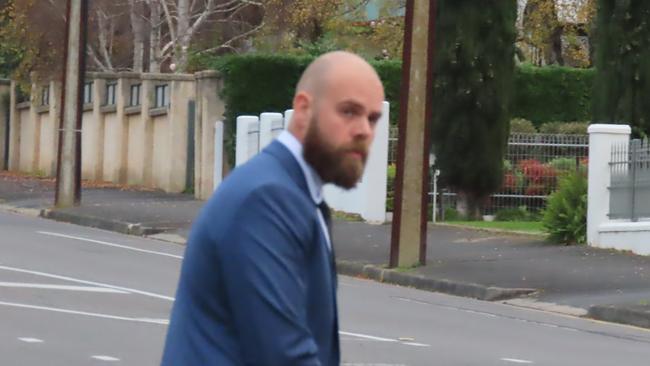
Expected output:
(553, 93)
(623, 64)
(474, 71)
(565, 217)
(522, 125)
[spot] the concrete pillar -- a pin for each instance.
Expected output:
(14, 130)
(219, 159)
(92, 135)
(34, 137)
(121, 101)
(48, 123)
(182, 91)
(5, 100)
(209, 109)
(601, 139)
(146, 100)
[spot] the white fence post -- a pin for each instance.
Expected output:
(269, 122)
(243, 143)
(218, 155)
(601, 139)
(288, 114)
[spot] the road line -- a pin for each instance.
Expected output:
(30, 340)
(61, 287)
(514, 360)
(381, 339)
(49, 275)
(415, 344)
(109, 244)
(106, 358)
(84, 313)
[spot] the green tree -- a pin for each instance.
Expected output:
(11, 51)
(622, 85)
(473, 68)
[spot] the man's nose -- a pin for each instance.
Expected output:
(363, 129)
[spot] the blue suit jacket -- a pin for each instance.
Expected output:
(257, 285)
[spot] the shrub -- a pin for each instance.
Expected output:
(574, 128)
(550, 127)
(521, 125)
(565, 217)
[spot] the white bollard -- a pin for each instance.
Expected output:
(601, 139)
(375, 177)
(242, 142)
(288, 114)
(269, 122)
(218, 155)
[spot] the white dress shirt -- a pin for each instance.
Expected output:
(314, 182)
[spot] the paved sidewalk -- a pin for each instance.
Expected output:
(521, 270)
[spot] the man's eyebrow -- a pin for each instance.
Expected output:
(350, 102)
(375, 116)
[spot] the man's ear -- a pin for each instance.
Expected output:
(302, 109)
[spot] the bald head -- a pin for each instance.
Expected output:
(320, 72)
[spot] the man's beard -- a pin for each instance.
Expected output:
(332, 164)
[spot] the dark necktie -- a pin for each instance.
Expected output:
(327, 215)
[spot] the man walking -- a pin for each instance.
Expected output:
(258, 283)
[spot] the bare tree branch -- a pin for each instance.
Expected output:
(229, 43)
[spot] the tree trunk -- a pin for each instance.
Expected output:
(468, 206)
(183, 34)
(154, 39)
(139, 35)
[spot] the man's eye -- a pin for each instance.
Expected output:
(348, 112)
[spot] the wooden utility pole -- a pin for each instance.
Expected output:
(408, 242)
(68, 171)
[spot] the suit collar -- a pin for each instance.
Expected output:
(291, 165)
(314, 182)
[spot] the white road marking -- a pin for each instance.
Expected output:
(109, 244)
(61, 287)
(372, 364)
(30, 340)
(84, 313)
(381, 339)
(106, 358)
(415, 344)
(514, 360)
(49, 275)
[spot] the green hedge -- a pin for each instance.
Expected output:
(544, 94)
(257, 83)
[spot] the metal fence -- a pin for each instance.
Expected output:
(532, 168)
(630, 181)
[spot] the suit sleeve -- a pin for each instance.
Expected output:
(264, 270)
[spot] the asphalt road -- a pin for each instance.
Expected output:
(71, 295)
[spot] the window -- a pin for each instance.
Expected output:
(110, 93)
(162, 96)
(88, 93)
(134, 99)
(45, 96)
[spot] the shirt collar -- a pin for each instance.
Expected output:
(314, 182)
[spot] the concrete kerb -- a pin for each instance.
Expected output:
(636, 315)
(100, 223)
(476, 291)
